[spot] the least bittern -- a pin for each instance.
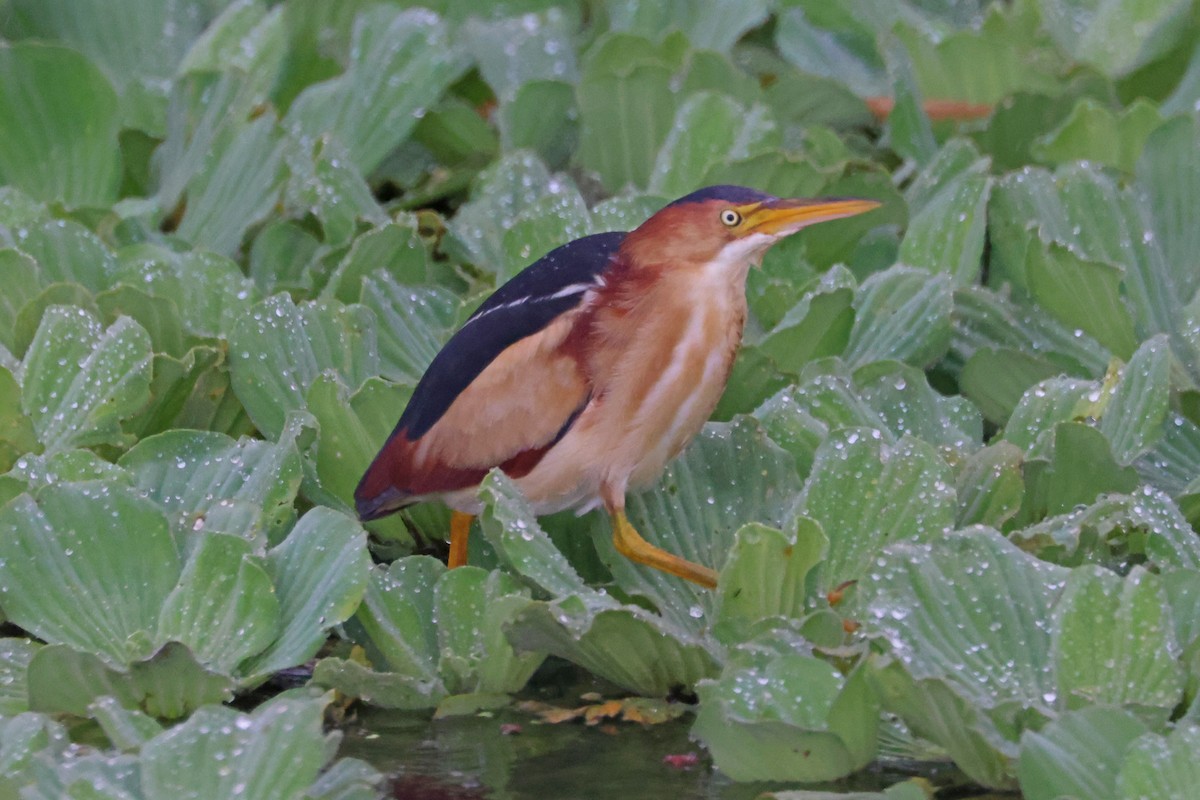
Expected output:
(587, 372)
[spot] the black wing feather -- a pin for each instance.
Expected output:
(519, 308)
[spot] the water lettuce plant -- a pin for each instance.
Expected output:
(952, 490)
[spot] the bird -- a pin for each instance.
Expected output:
(588, 371)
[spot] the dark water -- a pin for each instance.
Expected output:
(469, 757)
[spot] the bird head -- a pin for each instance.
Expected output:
(730, 226)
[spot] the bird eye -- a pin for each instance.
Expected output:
(730, 217)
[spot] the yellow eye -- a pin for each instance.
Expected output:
(730, 217)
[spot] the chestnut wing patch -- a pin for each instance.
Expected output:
(532, 300)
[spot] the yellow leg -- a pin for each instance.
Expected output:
(460, 529)
(630, 544)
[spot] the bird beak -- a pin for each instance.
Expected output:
(786, 216)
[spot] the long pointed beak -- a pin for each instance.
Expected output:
(786, 216)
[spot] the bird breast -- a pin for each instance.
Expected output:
(658, 356)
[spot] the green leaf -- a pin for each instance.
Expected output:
(191, 392)
(22, 283)
(1116, 37)
(1016, 123)
(1082, 294)
(128, 729)
(89, 565)
(625, 87)
(325, 183)
(274, 752)
(933, 605)
(987, 60)
(625, 644)
(799, 426)
(246, 36)
(396, 623)
(346, 779)
(985, 320)
(15, 655)
(709, 129)
(157, 315)
(1129, 661)
(224, 608)
(16, 429)
(1044, 406)
(281, 256)
(353, 427)
(907, 404)
(958, 158)
(541, 117)
(912, 789)
(34, 472)
(510, 526)
(819, 325)
(989, 486)
(1080, 469)
(26, 739)
(56, 294)
(1078, 218)
(545, 224)
(873, 494)
(708, 24)
(279, 349)
(1168, 176)
(1174, 462)
(1146, 521)
(791, 717)
(1078, 755)
(209, 291)
(401, 62)
(393, 690)
(1134, 417)
(209, 482)
(393, 250)
(1161, 766)
(471, 607)
(890, 397)
(996, 380)
(947, 233)
(79, 380)
(514, 51)
(908, 127)
(168, 684)
(901, 314)
(1182, 588)
(1093, 133)
(931, 709)
(414, 323)
(766, 573)
(138, 44)
(206, 111)
(501, 193)
(61, 144)
(832, 42)
(320, 574)
(238, 187)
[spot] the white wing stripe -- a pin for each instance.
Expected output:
(566, 291)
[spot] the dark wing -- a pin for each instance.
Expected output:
(517, 393)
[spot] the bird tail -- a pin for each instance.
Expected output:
(377, 494)
(389, 501)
